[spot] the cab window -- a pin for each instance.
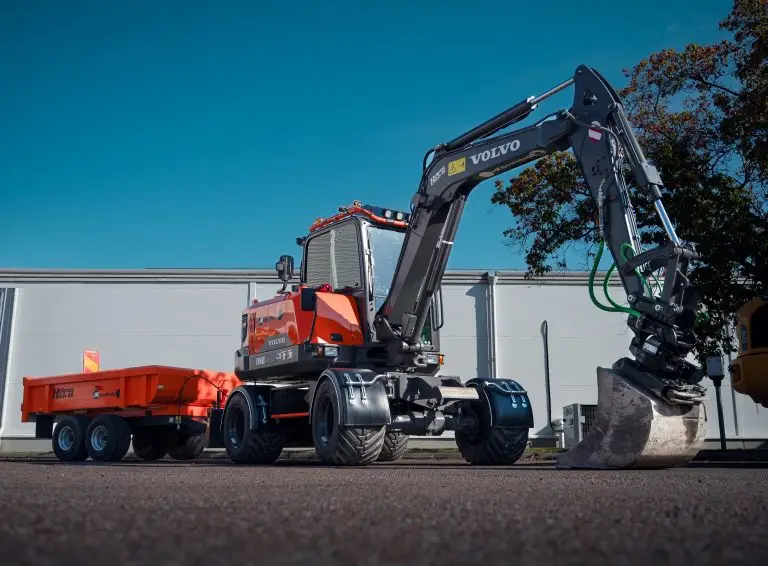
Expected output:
(334, 257)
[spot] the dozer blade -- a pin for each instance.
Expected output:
(636, 429)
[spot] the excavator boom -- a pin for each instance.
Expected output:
(598, 132)
(657, 394)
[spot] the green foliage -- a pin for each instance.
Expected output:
(701, 116)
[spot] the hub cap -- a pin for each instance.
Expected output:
(99, 438)
(66, 438)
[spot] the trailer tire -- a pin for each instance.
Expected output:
(69, 439)
(108, 438)
(148, 444)
(395, 445)
(246, 446)
(185, 446)
(342, 445)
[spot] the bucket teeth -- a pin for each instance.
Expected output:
(636, 429)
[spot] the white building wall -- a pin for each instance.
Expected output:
(194, 326)
(192, 319)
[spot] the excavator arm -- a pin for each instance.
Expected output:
(598, 132)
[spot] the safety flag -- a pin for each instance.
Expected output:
(91, 361)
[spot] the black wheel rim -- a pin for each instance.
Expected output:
(236, 427)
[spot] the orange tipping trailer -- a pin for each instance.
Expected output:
(161, 409)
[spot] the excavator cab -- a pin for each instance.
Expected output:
(749, 371)
(355, 253)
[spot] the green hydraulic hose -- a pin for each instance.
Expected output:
(616, 307)
(700, 316)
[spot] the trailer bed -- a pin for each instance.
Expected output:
(150, 390)
(160, 409)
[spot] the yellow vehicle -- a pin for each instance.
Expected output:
(749, 371)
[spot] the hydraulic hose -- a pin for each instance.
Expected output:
(701, 316)
(616, 307)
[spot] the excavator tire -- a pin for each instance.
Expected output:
(636, 429)
(485, 445)
(395, 445)
(246, 446)
(494, 447)
(342, 445)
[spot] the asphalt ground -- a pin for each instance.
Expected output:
(416, 512)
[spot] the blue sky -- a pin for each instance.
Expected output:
(182, 134)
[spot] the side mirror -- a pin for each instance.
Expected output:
(308, 299)
(284, 268)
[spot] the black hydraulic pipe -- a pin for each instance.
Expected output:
(545, 338)
(518, 112)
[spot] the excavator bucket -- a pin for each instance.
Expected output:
(636, 429)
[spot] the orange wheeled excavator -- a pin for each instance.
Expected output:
(347, 359)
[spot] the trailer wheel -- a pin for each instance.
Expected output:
(345, 445)
(490, 446)
(395, 445)
(108, 438)
(185, 446)
(69, 439)
(246, 446)
(148, 444)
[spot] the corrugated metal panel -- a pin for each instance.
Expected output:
(194, 326)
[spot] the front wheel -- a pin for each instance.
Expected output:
(342, 445)
(489, 446)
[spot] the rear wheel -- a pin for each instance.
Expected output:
(342, 445)
(185, 446)
(246, 446)
(395, 445)
(108, 438)
(486, 445)
(148, 444)
(69, 439)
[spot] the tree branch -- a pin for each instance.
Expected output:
(700, 80)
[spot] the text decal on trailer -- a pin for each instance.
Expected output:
(63, 392)
(497, 151)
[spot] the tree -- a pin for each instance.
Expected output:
(701, 116)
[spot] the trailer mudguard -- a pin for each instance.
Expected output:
(508, 402)
(362, 396)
